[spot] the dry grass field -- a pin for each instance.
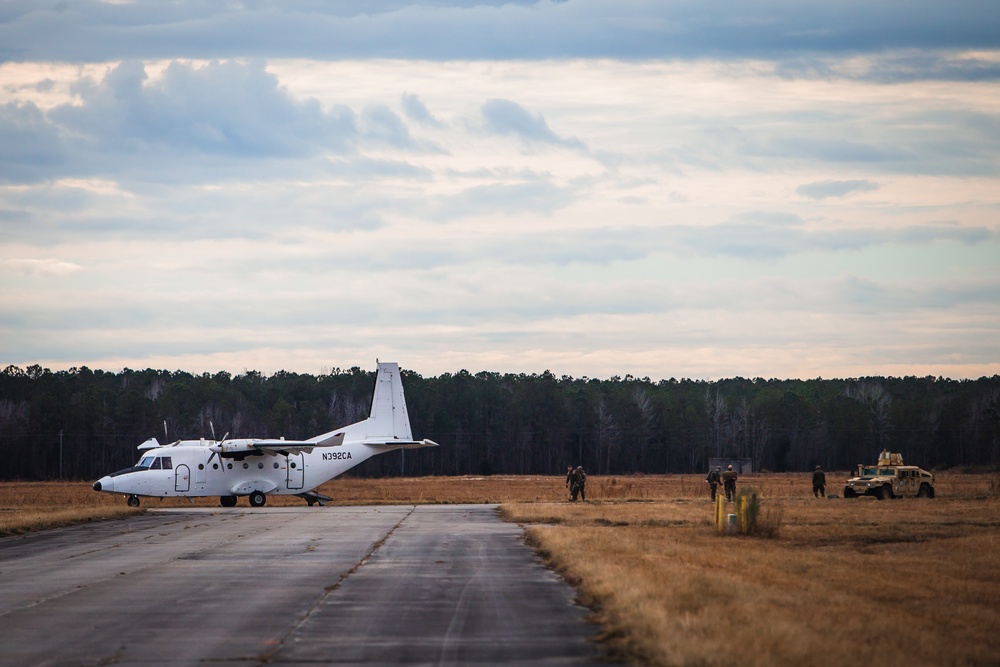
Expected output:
(896, 582)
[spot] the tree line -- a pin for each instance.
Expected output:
(82, 423)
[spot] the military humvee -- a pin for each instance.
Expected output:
(889, 478)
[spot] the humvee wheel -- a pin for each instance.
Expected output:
(133, 501)
(849, 492)
(925, 491)
(884, 492)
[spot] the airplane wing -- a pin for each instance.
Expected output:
(283, 446)
(274, 447)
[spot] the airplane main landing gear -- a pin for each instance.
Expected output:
(133, 501)
(257, 499)
(227, 501)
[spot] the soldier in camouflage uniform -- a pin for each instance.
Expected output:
(819, 482)
(729, 480)
(578, 483)
(713, 479)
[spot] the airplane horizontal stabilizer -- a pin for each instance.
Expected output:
(402, 444)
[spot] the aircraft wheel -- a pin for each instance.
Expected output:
(133, 501)
(227, 501)
(257, 499)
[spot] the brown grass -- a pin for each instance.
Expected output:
(901, 582)
(907, 581)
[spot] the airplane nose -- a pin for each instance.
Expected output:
(106, 483)
(97, 486)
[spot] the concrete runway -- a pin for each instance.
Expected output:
(430, 585)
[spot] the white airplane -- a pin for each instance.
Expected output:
(253, 467)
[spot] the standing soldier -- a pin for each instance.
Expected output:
(729, 480)
(819, 482)
(578, 483)
(569, 476)
(714, 476)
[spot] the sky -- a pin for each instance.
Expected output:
(754, 188)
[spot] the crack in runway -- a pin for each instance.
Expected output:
(329, 590)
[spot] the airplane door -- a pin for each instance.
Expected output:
(182, 478)
(296, 471)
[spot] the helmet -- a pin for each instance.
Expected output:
(718, 467)
(730, 466)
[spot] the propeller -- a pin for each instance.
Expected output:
(217, 447)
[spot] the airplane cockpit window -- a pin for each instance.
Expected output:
(166, 462)
(145, 462)
(156, 464)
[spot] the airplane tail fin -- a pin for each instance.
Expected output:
(388, 419)
(388, 425)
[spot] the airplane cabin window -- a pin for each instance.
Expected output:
(201, 466)
(246, 465)
(229, 465)
(260, 466)
(275, 465)
(215, 466)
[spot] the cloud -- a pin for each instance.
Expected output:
(38, 267)
(839, 149)
(895, 67)
(825, 189)
(223, 108)
(417, 111)
(222, 118)
(537, 196)
(509, 118)
(32, 147)
(90, 30)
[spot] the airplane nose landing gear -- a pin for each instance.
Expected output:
(133, 501)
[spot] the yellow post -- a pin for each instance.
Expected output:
(741, 513)
(720, 513)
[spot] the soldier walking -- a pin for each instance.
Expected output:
(578, 483)
(729, 481)
(713, 479)
(819, 482)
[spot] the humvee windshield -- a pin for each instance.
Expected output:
(872, 472)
